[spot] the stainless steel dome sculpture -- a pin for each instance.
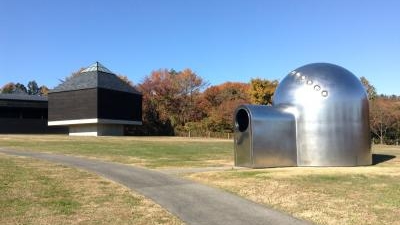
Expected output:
(319, 117)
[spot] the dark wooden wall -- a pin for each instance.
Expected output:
(119, 105)
(23, 112)
(95, 103)
(7, 103)
(26, 117)
(73, 105)
(29, 126)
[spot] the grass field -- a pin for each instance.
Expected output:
(38, 192)
(152, 152)
(329, 195)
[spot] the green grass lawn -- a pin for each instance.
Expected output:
(153, 152)
(324, 195)
(37, 192)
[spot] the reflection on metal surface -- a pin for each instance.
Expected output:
(325, 125)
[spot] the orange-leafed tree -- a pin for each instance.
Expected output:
(171, 97)
(262, 90)
(8, 88)
(219, 103)
(158, 91)
(43, 90)
(382, 117)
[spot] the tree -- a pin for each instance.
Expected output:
(73, 74)
(159, 93)
(395, 111)
(20, 89)
(190, 85)
(33, 88)
(125, 79)
(261, 91)
(8, 88)
(173, 95)
(369, 88)
(381, 117)
(397, 127)
(43, 90)
(210, 97)
(219, 103)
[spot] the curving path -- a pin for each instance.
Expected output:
(192, 202)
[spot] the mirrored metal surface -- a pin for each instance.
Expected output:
(329, 110)
(256, 146)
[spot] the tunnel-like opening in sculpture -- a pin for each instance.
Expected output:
(242, 120)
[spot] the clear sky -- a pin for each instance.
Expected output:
(221, 40)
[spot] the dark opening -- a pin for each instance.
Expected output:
(380, 158)
(242, 120)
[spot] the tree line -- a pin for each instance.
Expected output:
(183, 103)
(32, 88)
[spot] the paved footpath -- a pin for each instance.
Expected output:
(192, 202)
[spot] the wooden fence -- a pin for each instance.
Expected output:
(205, 134)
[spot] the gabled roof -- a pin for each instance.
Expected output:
(95, 76)
(23, 97)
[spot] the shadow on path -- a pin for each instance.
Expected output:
(381, 158)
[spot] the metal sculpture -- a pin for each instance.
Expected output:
(319, 117)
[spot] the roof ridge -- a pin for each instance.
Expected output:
(97, 66)
(95, 76)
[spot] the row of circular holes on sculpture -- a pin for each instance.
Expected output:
(324, 93)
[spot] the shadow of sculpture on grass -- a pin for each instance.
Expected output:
(381, 158)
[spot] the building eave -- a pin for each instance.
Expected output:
(93, 121)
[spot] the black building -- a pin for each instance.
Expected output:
(25, 114)
(95, 102)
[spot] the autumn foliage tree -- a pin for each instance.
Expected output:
(384, 114)
(380, 118)
(396, 125)
(219, 103)
(74, 74)
(169, 97)
(8, 88)
(385, 119)
(262, 90)
(43, 90)
(125, 79)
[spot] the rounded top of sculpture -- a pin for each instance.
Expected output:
(318, 82)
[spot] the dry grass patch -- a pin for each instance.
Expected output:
(335, 195)
(38, 192)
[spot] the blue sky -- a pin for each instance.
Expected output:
(221, 40)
